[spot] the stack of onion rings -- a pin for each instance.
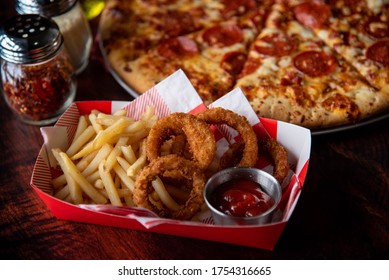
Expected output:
(193, 133)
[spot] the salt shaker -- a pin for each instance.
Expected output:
(69, 16)
(37, 78)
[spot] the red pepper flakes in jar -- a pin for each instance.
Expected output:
(37, 77)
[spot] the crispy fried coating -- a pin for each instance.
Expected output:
(176, 167)
(232, 156)
(241, 125)
(268, 147)
(198, 134)
(279, 155)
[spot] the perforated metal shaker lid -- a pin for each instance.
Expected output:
(47, 8)
(29, 38)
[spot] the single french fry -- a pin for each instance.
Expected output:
(62, 193)
(111, 158)
(74, 188)
(148, 113)
(81, 126)
(163, 194)
(110, 134)
(109, 185)
(121, 112)
(116, 180)
(85, 161)
(128, 153)
(140, 162)
(80, 141)
(86, 150)
(101, 155)
(70, 168)
(127, 181)
(116, 151)
(92, 118)
(135, 127)
(68, 199)
(150, 122)
(123, 163)
(98, 184)
(59, 181)
(138, 136)
(107, 120)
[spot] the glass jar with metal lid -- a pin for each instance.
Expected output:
(37, 77)
(69, 16)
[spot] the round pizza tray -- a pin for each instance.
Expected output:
(368, 121)
(117, 78)
(324, 131)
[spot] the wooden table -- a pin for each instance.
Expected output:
(342, 212)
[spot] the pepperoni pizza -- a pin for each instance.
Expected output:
(313, 63)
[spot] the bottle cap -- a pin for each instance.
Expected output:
(47, 8)
(29, 39)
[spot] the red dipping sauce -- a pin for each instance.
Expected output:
(241, 198)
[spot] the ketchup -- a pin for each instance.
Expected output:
(241, 198)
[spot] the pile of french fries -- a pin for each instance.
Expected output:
(105, 157)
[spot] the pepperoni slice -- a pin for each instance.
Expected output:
(250, 66)
(379, 53)
(315, 63)
(178, 47)
(223, 35)
(376, 28)
(277, 45)
(312, 14)
(233, 62)
(237, 7)
(176, 23)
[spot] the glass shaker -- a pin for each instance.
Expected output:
(37, 77)
(69, 16)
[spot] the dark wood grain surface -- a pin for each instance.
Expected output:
(342, 212)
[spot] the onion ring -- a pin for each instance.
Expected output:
(279, 156)
(270, 146)
(232, 156)
(198, 134)
(220, 115)
(179, 168)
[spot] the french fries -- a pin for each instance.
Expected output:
(103, 160)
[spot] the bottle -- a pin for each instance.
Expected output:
(38, 80)
(69, 16)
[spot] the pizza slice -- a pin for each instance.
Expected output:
(138, 25)
(210, 80)
(291, 75)
(211, 57)
(357, 30)
(227, 43)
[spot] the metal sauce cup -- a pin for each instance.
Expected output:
(268, 183)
